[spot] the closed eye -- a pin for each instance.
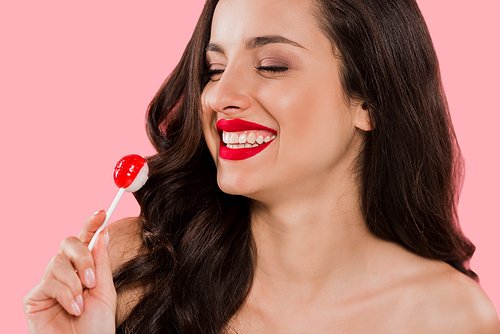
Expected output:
(272, 69)
(214, 74)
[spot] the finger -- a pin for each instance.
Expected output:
(61, 269)
(91, 225)
(104, 274)
(81, 259)
(53, 289)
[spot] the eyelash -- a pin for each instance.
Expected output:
(270, 69)
(210, 73)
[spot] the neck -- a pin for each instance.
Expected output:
(306, 244)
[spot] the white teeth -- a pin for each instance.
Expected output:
(242, 139)
(269, 138)
(251, 138)
(234, 138)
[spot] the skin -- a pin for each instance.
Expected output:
(319, 269)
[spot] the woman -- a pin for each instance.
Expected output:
(331, 203)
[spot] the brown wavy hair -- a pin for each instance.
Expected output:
(197, 261)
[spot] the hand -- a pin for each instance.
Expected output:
(76, 293)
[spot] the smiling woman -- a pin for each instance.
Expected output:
(305, 182)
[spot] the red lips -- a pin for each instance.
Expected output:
(235, 125)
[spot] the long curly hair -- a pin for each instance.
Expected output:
(197, 261)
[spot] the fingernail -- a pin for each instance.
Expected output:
(95, 213)
(106, 237)
(89, 278)
(77, 305)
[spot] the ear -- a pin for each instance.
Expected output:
(362, 117)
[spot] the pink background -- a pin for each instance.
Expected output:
(76, 79)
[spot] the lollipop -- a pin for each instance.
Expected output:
(131, 172)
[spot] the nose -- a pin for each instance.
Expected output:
(231, 93)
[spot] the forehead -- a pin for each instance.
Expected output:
(236, 20)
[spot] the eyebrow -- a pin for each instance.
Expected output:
(257, 42)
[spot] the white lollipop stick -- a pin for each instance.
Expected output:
(108, 214)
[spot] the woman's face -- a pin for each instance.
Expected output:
(275, 118)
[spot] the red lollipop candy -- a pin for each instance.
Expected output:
(131, 172)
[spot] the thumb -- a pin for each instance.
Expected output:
(103, 271)
(91, 225)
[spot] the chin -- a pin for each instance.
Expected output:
(230, 187)
(236, 185)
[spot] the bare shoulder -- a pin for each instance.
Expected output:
(124, 244)
(125, 241)
(450, 302)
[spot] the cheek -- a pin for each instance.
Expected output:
(315, 126)
(311, 117)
